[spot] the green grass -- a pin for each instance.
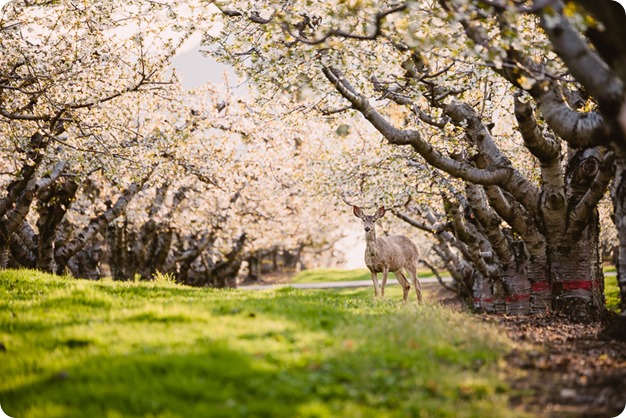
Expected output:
(337, 275)
(75, 348)
(611, 293)
(330, 275)
(609, 269)
(611, 290)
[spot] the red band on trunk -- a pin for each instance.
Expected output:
(578, 284)
(539, 286)
(517, 298)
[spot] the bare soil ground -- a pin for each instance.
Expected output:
(561, 369)
(565, 370)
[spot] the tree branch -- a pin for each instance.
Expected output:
(340, 33)
(587, 205)
(489, 221)
(492, 175)
(423, 226)
(545, 149)
(583, 63)
(578, 129)
(517, 185)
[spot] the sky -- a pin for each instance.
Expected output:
(196, 69)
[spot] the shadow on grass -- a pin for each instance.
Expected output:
(216, 382)
(290, 354)
(219, 382)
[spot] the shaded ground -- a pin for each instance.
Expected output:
(561, 369)
(566, 370)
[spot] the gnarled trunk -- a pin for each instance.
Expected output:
(578, 281)
(618, 195)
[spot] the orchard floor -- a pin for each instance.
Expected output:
(566, 370)
(558, 369)
(561, 369)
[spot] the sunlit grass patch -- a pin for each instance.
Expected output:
(330, 275)
(611, 293)
(77, 348)
(337, 275)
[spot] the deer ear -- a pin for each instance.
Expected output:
(357, 212)
(380, 212)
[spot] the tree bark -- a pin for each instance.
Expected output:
(53, 204)
(97, 224)
(618, 195)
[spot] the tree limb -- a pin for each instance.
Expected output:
(583, 63)
(579, 129)
(587, 205)
(545, 149)
(492, 175)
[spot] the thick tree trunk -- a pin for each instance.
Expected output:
(254, 267)
(165, 240)
(185, 260)
(468, 280)
(21, 202)
(618, 195)
(34, 156)
(53, 205)
(96, 225)
(541, 295)
(22, 248)
(483, 295)
(117, 240)
(224, 274)
(577, 277)
(573, 245)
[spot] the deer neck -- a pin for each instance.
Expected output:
(370, 240)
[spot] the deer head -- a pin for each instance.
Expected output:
(368, 220)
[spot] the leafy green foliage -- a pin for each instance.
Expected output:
(75, 348)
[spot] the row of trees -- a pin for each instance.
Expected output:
(514, 204)
(110, 168)
(499, 143)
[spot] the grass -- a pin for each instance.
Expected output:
(611, 290)
(337, 275)
(609, 269)
(75, 348)
(611, 293)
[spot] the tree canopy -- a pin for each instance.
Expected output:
(530, 186)
(494, 127)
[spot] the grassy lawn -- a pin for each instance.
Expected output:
(75, 348)
(611, 293)
(611, 290)
(337, 275)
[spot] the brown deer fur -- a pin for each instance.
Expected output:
(395, 253)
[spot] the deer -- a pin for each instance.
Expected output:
(393, 253)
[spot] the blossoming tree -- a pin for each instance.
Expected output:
(524, 217)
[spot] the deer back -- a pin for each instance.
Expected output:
(392, 253)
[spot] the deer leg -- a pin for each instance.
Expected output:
(404, 283)
(375, 280)
(417, 284)
(382, 289)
